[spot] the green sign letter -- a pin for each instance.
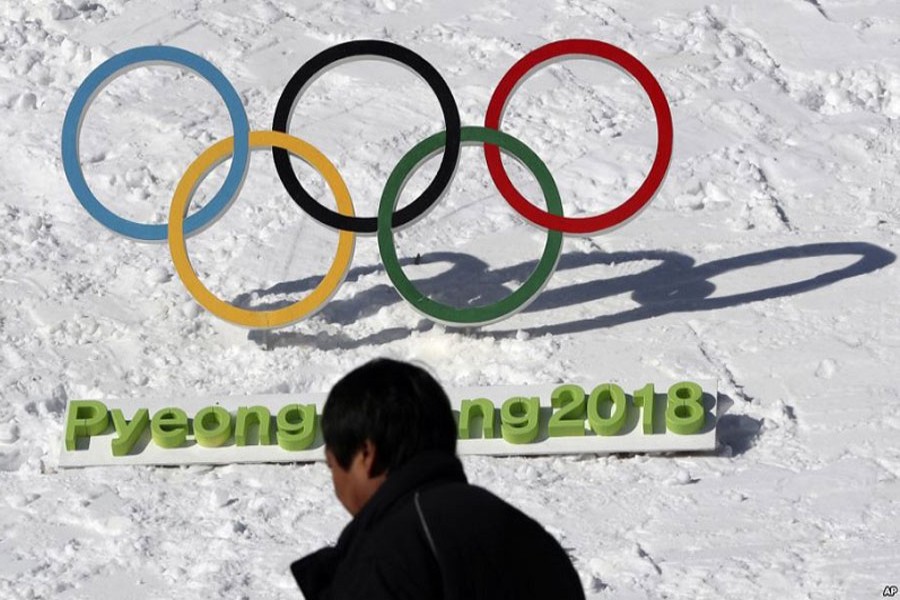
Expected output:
(128, 432)
(569, 419)
(169, 427)
(246, 418)
(471, 408)
(644, 398)
(607, 392)
(212, 426)
(85, 419)
(519, 420)
(296, 426)
(685, 414)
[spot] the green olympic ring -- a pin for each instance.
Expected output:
(477, 315)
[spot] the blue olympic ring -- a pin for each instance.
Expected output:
(86, 94)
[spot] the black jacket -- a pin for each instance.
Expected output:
(427, 534)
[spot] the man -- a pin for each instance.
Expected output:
(419, 530)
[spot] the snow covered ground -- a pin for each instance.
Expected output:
(766, 262)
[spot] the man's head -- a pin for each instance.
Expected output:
(376, 419)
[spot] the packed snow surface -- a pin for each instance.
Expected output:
(766, 262)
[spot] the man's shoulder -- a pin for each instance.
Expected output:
(479, 536)
(461, 511)
(464, 498)
(448, 509)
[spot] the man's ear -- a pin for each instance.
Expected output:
(369, 455)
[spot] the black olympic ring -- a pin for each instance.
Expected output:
(285, 108)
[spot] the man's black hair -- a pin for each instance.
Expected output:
(398, 406)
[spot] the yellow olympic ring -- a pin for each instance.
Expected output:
(181, 202)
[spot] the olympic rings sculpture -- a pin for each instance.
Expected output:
(388, 219)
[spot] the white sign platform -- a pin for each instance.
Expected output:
(631, 438)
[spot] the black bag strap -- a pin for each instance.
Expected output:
(431, 544)
(426, 528)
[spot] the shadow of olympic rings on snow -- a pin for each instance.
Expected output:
(675, 284)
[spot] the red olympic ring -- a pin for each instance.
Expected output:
(626, 210)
